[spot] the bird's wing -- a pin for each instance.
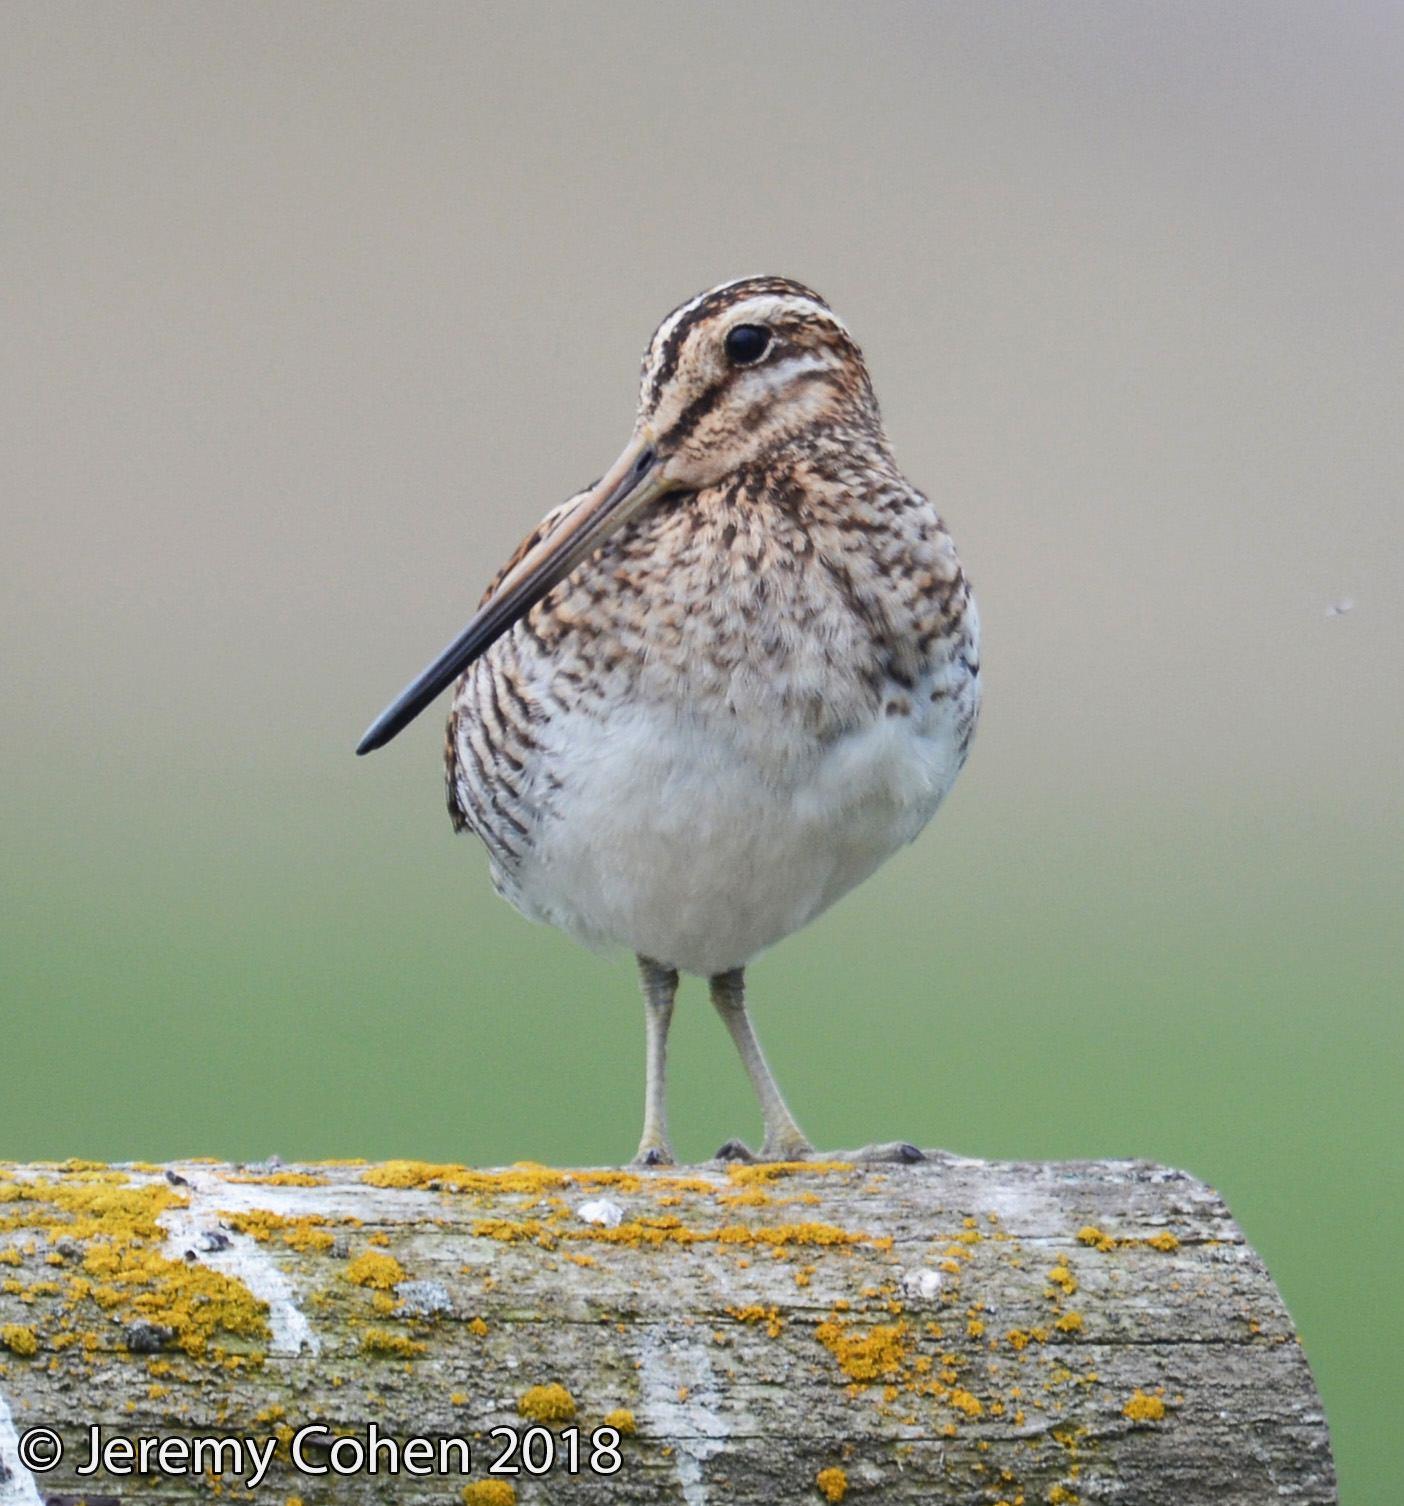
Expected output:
(543, 530)
(470, 779)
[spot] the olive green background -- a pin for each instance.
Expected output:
(311, 310)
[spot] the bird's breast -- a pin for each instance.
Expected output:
(701, 838)
(759, 613)
(700, 742)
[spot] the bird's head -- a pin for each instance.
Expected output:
(736, 375)
(742, 371)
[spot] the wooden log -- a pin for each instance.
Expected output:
(952, 1332)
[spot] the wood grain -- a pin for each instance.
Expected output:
(953, 1332)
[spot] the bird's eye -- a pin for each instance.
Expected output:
(747, 343)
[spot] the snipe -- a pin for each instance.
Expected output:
(713, 692)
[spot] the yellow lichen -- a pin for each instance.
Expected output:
(668, 1229)
(19, 1340)
(866, 1355)
(1069, 1323)
(832, 1483)
(123, 1270)
(1060, 1495)
(195, 1302)
(549, 1403)
(306, 1235)
(1143, 1408)
(621, 1420)
(384, 1341)
(665, 1231)
(381, 1272)
(748, 1197)
(525, 1177)
(770, 1316)
(964, 1401)
(1089, 1234)
(490, 1493)
(1063, 1278)
(308, 1239)
(1165, 1242)
(760, 1172)
(512, 1230)
(103, 1205)
(550, 1222)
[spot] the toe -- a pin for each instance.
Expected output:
(734, 1150)
(889, 1153)
(786, 1150)
(653, 1155)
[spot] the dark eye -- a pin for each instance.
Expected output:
(747, 343)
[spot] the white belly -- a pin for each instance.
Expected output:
(699, 843)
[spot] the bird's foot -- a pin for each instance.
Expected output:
(886, 1153)
(771, 1150)
(791, 1148)
(654, 1154)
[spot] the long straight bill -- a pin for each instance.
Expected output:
(632, 481)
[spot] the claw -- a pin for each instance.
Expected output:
(734, 1150)
(889, 1152)
(653, 1155)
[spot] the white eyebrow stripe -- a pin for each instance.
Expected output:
(766, 308)
(760, 308)
(665, 330)
(773, 378)
(674, 319)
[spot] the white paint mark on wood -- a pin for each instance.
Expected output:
(17, 1485)
(298, 1202)
(244, 1259)
(681, 1401)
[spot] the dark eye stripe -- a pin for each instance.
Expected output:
(716, 303)
(698, 409)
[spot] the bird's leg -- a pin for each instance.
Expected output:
(784, 1140)
(660, 987)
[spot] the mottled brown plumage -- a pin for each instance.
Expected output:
(734, 676)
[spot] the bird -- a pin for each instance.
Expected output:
(714, 691)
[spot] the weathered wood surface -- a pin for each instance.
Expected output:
(953, 1332)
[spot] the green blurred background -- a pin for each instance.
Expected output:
(313, 309)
